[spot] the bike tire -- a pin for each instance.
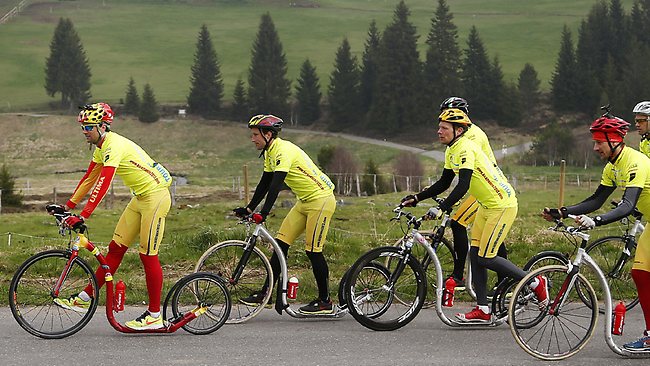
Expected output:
(545, 258)
(376, 267)
(503, 293)
(445, 254)
(502, 297)
(366, 294)
(222, 259)
(202, 289)
(558, 335)
(31, 300)
(606, 252)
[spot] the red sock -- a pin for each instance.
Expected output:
(642, 281)
(113, 258)
(154, 276)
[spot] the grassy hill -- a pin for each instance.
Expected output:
(154, 41)
(48, 151)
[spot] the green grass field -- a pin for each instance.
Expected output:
(154, 42)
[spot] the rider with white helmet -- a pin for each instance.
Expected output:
(641, 114)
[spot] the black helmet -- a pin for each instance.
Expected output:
(455, 102)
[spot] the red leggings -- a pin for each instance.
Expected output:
(152, 270)
(113, 258)
(642, 281)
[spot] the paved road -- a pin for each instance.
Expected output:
(271, 339)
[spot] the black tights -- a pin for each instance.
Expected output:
(275, 263)
(480, 265)
(461, 246)
(321, 273)
(318, 264)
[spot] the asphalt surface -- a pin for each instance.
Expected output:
(499, 153)
(271, 339)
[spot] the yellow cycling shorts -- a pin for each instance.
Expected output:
(466, 212)
(491, 227)
(311, 217)
(144, 215)
(642, 256)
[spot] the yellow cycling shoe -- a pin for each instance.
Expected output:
(74, 303)
(146, 321)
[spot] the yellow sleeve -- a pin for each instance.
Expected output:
(85, 184)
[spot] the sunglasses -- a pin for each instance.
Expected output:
(88, 128)
(639, 120)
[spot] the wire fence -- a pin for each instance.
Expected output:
(34, 190)
(13, 12)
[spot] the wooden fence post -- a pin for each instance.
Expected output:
(246, 200)
(562, 179)
(358, 186)
(173, 192)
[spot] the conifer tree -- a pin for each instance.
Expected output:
(343, 92)
(592, 54)
(640, 21)
(240, 111)
(308, 94)
(510, 109)
(397, 98)
(564, 79)
(442, 67)
(619, 37)
(505, 105)
(268, 87)
(635, 77)
(206, 90)
(66, 69)
(373, 182)
(369, 68)
(528, 87)
(132, 99)
(8, 192)
(149, 107)
(478, 79)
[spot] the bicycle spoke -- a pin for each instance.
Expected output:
(32, 304)
(563, 333)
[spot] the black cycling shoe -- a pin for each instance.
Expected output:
(254, 299)
(318, 306)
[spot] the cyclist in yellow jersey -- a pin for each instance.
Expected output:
(630, 170)
(466, 211)
(480, 177)
(144, 216)
(641, 114)
(286, 163)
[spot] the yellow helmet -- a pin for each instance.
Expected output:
(94, 114)
(454, 115)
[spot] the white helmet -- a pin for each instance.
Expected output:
(642, 108)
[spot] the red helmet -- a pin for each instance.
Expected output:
(608, 128)
(266, 122)
(94, 114)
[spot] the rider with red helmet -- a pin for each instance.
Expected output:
(628, 169)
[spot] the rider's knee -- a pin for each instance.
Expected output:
(457, 227)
